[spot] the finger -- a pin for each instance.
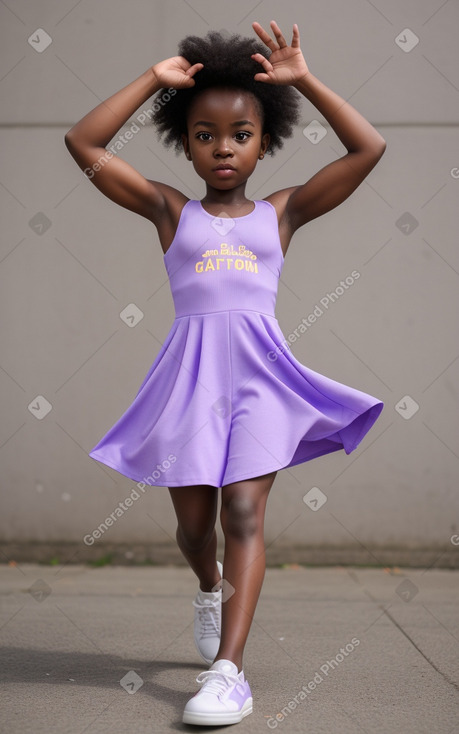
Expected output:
(182, 62)
(295, 36)
(278, 33)
(263, 78)
(264, 36)
(267, 66)
(193, 69)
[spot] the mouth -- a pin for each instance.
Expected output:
(223, 167)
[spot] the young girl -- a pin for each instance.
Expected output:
(225, 403)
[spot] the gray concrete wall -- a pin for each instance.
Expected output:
(64, 282)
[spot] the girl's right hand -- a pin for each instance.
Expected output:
(176, 72)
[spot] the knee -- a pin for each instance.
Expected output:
(194, 538)
(240, 517)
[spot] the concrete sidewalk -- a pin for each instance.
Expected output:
(336, 650)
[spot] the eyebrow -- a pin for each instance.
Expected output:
(212, 124)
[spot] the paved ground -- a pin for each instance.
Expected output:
(70, 634)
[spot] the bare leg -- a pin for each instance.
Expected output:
(242, 520)
(196, 510)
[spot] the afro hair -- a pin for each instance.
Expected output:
(227, 63)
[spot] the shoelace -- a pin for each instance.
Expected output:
(216, 681)
(208, 615)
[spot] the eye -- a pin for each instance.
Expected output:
(245, 135)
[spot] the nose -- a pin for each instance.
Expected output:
(223, 148)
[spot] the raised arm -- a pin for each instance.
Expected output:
(330, 186)
(86, 141)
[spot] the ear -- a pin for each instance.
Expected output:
(264, 144)
(186, 147)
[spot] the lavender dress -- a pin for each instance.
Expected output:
(225, 399)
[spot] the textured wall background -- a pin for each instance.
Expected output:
(71, 261)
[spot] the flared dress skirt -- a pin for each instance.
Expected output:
(240, 409)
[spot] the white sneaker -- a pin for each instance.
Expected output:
(207, 621)
(225, 697)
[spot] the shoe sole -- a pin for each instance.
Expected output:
(217, 719)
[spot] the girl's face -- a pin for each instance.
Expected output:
(224, 127)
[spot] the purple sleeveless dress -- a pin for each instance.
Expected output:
(225, 399)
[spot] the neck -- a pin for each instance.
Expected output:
(231, 197)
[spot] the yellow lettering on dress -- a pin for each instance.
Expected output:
(243, 261)
(243, 252)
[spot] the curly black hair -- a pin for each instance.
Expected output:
(227, 63)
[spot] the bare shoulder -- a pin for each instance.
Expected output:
(166, 215)
(279, 200)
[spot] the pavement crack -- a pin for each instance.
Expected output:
(412, 641)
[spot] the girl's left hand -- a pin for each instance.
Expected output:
(286, 64)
